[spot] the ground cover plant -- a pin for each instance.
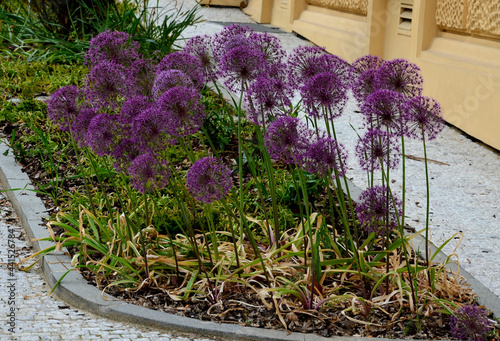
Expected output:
(241, 212)
(60, 31)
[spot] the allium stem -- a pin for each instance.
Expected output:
(303, 186)
(346, 184)
(228, 112)
(403, 244)
(99, 180)
(233, 236)
(143, 243)
(208, 213)
(427, 214)
(301, 212)
(185, 215)
(272, 186)
(240, 162)
(87, 188)
(246, 229)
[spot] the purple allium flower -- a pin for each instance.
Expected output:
(377, 211)
(132, 107)
(267, 99)
(386, 108)
(287, 139)
(62, 107)
(424, 118)
(304, 63)
(269, 45)
(124, 153)
(401, 76)
(364, 86)
(106, 84)
(142, 77)
(149, 127)
(116, 47)
(337, 66)
(186, 63)
(228, 38)
(378, 147)
(365, 63)
(201, 47)
(184, 114)
(102, 134)
(208, 180)
(470, 323)
(241, 65)
(80, 125)
(169, 79)
(148, 173)
(326, 156)
(324, 94)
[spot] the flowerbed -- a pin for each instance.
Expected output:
(243, 213)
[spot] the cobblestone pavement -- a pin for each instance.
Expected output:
(29, 313)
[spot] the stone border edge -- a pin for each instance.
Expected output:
(74, 290)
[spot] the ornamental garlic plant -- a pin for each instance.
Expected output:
(150, 118)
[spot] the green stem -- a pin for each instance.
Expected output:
(272, 187)
(427, 215)
(87, 188)
(208, 214)
(144, 252)
(233, 235)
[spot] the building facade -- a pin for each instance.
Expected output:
(456, 43)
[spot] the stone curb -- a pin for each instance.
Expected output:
(74, 289)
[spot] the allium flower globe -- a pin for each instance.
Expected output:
(378, 148)
(241, 65)
(424, 118)
(228, 38)
(386, 109)
(62, 107)
(324, 95)
(201, 47)
(267, 99)
(166, 80)
(400, 75)
(141, 76)
(186, 63)
(132, 108)
(148, 129)
(147, 173)
(304, 62)
(269, 45)
(337, 66)
(107, 84)
(364, 86)
(112, 46)
(365, 63)
(208, 180)
(102, 134)
(377, 211)
(183, 112)
(80, 125)
(287, 139)
(470, 323)
(326, 156)
(124, 153)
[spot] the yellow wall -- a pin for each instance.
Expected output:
(456, 43)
